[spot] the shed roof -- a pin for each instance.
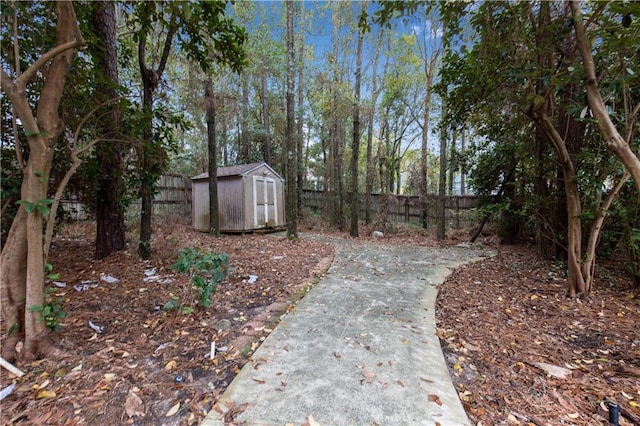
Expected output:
(239, 170)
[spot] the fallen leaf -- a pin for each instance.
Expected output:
(426, 380)
(400, 383)
(173, 410)
(171, 365)
(435, 398)
(134, 405)
(46, 394)
(368, 375)
(258, 380)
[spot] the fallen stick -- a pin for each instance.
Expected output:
(10, 367)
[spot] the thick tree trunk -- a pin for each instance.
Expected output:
(13, 278)
(110, 232)
(26, 248)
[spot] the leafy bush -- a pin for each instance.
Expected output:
(206, 270)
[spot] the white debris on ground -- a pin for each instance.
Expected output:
(109, 279)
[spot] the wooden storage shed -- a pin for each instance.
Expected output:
(250, 197)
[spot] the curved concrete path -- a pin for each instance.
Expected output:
(359, 349)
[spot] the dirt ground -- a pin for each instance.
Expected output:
(149, 366)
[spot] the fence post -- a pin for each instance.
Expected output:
(406, 210)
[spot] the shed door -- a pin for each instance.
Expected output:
(265, 213)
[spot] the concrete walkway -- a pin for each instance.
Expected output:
(359, 349)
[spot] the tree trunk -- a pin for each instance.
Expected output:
(244, 150)
(110, 232)
(22, 258)
(150, 155)
(210, 102)
(442, 185)
(451, 164)
(146, 186)
(372, 109)
(576, 284)
(300, 122)
(13, 278)
(612, 138)
(355, 145)
(291, 168)
(265, 120)
(463, 146)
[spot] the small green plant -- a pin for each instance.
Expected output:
(206, 270)
(51, 313)
(173, 305)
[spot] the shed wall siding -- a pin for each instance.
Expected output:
(200, 205)
(230, 206)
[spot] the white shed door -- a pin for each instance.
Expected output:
(265, 202)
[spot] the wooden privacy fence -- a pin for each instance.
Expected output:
(460, 210)
(174, 197)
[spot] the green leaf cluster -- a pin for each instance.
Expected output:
(206, 270)
(41, 206)
(51, 312)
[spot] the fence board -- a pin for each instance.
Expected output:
(459, 210)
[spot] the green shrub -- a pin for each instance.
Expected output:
(206, 270)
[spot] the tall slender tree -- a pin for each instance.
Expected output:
(355, 143)
(291, 167)
(210, 107)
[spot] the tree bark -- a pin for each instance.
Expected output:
(110, 229)
(151, 156)
(576, 284)
(612, 138)
(244, 150)
(22, 258)
(442, 184)
(291, 168)
(210, 102)
(355, 145)
(300, 127)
